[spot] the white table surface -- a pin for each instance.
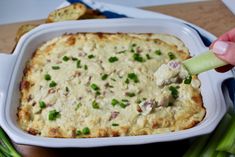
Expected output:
(24, 10)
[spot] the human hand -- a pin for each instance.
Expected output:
(224, 48)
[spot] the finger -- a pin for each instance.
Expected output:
(212, 44)
(225, 51)
(228, 36)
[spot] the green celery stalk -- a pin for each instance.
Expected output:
(6, 146)
(222, 154)
(1, 154)
(197, 146)
(4, 150)
(231, 149)
(228, 138)
(210, 148)
(203, 62)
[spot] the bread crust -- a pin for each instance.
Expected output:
(71, 12)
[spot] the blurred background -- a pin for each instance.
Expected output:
(12, 11)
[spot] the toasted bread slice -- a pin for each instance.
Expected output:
(71, 12)
(24, 29)
(92, 14)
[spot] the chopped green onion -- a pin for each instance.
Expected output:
(137, 57)
(53, 115)
(113, 59)
(121, 51)
(133, 77)
(114, 102)
(104, 77)
(148, 56)
(134, 45)
(79, 64)
(91, 56)
(115, 124)
(86, 131)
(171, 56)
(95, 105)
(42, 104)
(158, 52)
(85, 67)
(108, 85)
(170, 104)
(52, 84)
(174, 92)
(74, 58)
(130, 94)
(122, 105)
(138, 101)
(66, 89)
(95, 87)
(47, 77)
(97, 93)
(125, 100)
(132, 50)
(55, 67)
(127, 81)
(78, 106)
(188, 80)
(78, 132)
(65, 58)
(113, 79)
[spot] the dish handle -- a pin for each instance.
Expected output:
(7, 62)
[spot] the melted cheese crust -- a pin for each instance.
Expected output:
(76, 101)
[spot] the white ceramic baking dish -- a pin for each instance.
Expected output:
(11, 71)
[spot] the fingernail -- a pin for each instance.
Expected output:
(220, 47)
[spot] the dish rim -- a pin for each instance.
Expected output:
(21, 137)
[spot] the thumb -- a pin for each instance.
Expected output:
(225, 51)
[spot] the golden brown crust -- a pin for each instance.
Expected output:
(92, 14)
(54, 132)
(24, 29)
(71, 12)
(73, 87)
(71, 41)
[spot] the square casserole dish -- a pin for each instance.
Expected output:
(12, 66)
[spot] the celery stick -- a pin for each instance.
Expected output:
(203, 62)
(197, 146)
(228, 138)
(7, 149)
(1, 154)
(231, 149)
(210, 148)
(4, 151)
(222, 154)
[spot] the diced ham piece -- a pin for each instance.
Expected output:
(113, 115)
